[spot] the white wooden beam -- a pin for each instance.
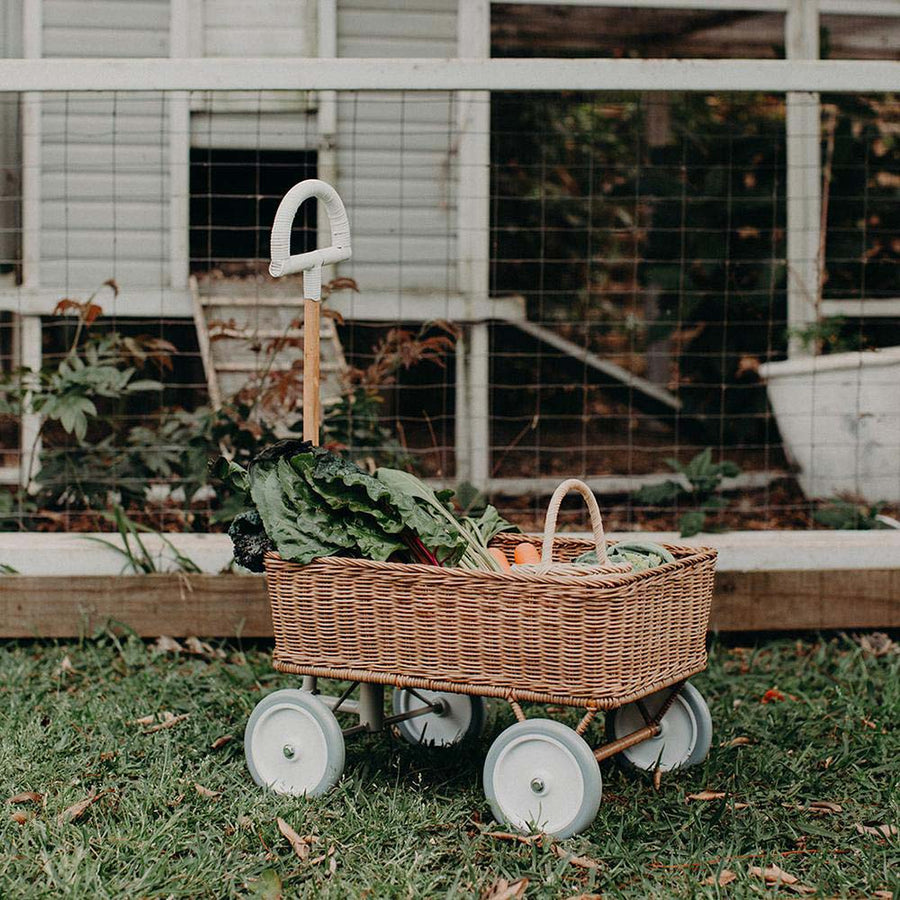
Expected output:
(180, 33)
(479, 416)
(888, 308)
(273, 73)
(30, 426)
(607, 485)
(462, 412)
(831, 7)
(326, 122)
(739, 551)
(804, 180)
(32, 48)
(369, 306)
(473, 211)
(30, 343)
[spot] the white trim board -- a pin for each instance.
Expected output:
(39, 553)
(370, 306)
(158, 74)
(826, 7)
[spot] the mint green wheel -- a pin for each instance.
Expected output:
(685, 732)
(293, 744)
(540, 775)
(456, 718)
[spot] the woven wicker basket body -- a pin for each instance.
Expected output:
(576, 640)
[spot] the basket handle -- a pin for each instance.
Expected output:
(310, 264)
(573, 484)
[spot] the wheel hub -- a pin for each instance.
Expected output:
(289, 751)
(537, 785)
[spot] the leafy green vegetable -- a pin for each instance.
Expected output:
(641, 554)
(313, 503)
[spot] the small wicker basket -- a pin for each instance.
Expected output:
(595, 640)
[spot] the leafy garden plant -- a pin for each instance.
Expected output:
(698, 488)
(96, 454)
(846, 514)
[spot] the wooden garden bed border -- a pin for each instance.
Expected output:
(236, 605)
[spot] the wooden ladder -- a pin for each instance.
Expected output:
(235, 334)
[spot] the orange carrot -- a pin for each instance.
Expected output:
(500, 557)
(526, 554)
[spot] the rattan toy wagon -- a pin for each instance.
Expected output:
(612, 642)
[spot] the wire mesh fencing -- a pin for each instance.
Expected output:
(637, 288)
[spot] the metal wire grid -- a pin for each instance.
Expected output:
(621, 251)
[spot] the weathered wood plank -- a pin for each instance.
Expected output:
(800, 600)
(228, 605)
(178, 605)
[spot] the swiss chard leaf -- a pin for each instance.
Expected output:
(293, 518)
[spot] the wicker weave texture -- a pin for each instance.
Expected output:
(598, 639)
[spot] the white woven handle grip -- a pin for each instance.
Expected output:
(573, 484)
(309, 263)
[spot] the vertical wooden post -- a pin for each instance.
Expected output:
(479, 423)
(804, 179)
(311, 400)
(462, 410)
(180, 31)
(30, 325)
(473, 246)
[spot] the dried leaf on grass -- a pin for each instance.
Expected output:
(884, 895)
(585, 897)
(510, 836)
(580, 862)
(166, 644)
(65, 667)
(26, 797)
(726, 876)
(504, 890)
(332, 861)
(741, 741)
(876, 644)
(76, 810)
(775, 875)
(196, 647)
(19, 817)
(706, 795)
(221, 741)
(825, 807)
(657, 779)
(144, 720)
(300, 844)
(206, 792)
(884, 831)
(169, 720)
(772, 874)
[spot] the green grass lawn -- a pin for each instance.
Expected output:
(409, 822)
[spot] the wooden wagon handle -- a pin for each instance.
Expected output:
(310, 264)
(573, 484)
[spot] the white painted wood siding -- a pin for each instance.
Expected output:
(104, 156)
(265, 120)
(10, 160)
(395, 153)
